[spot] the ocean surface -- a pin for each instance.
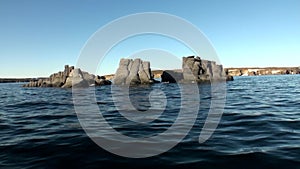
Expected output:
(260, 127)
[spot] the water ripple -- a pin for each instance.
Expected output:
(260, 128)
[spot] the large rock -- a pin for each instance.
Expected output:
(67, 78)
(122, 72)
(195, 69)
(101, 80)
(76, 79)
(90, 78)
(133, 72)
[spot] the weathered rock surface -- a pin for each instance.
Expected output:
(133, 72)
(76, 79)
(194, 69)
(198, 70)
(70, 77)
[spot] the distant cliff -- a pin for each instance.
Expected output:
(256, 71)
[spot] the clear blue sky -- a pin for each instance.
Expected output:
(38, 37)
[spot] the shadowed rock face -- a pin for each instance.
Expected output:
(171, 76)
(133, 72)
(68, 78)
(196, 70)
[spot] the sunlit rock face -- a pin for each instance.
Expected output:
(133, 72)
(196, 70)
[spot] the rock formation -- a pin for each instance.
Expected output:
(76, 79)
(194, 69)
(133, 72)
(70, 77)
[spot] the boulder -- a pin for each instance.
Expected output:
(133, 72)
(133, 76)
(90, 78)
(195, 69)
(76, 79)
(122, 72)
(101, 80)
(67, 78)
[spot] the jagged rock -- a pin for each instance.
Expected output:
(75, 79)
(196, 70)
(133, 77)
(46, 84)
(90, 78)
(122, 72)
(65, 79)
(57, 80)
(144, 72)
(133, 72)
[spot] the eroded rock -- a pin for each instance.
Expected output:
(68, 78)
(133, 72)
(194, 69)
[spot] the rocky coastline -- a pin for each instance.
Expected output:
(256, 71)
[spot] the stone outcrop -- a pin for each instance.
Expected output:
(133, 72)
(76, 79)
(194, 69)
(70, 77)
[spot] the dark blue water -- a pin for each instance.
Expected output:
(260, 128)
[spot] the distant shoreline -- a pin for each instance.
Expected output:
(17, 80)
(260, 71)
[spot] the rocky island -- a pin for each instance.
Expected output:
(135, 72)
(69, 77)
(194, 70)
